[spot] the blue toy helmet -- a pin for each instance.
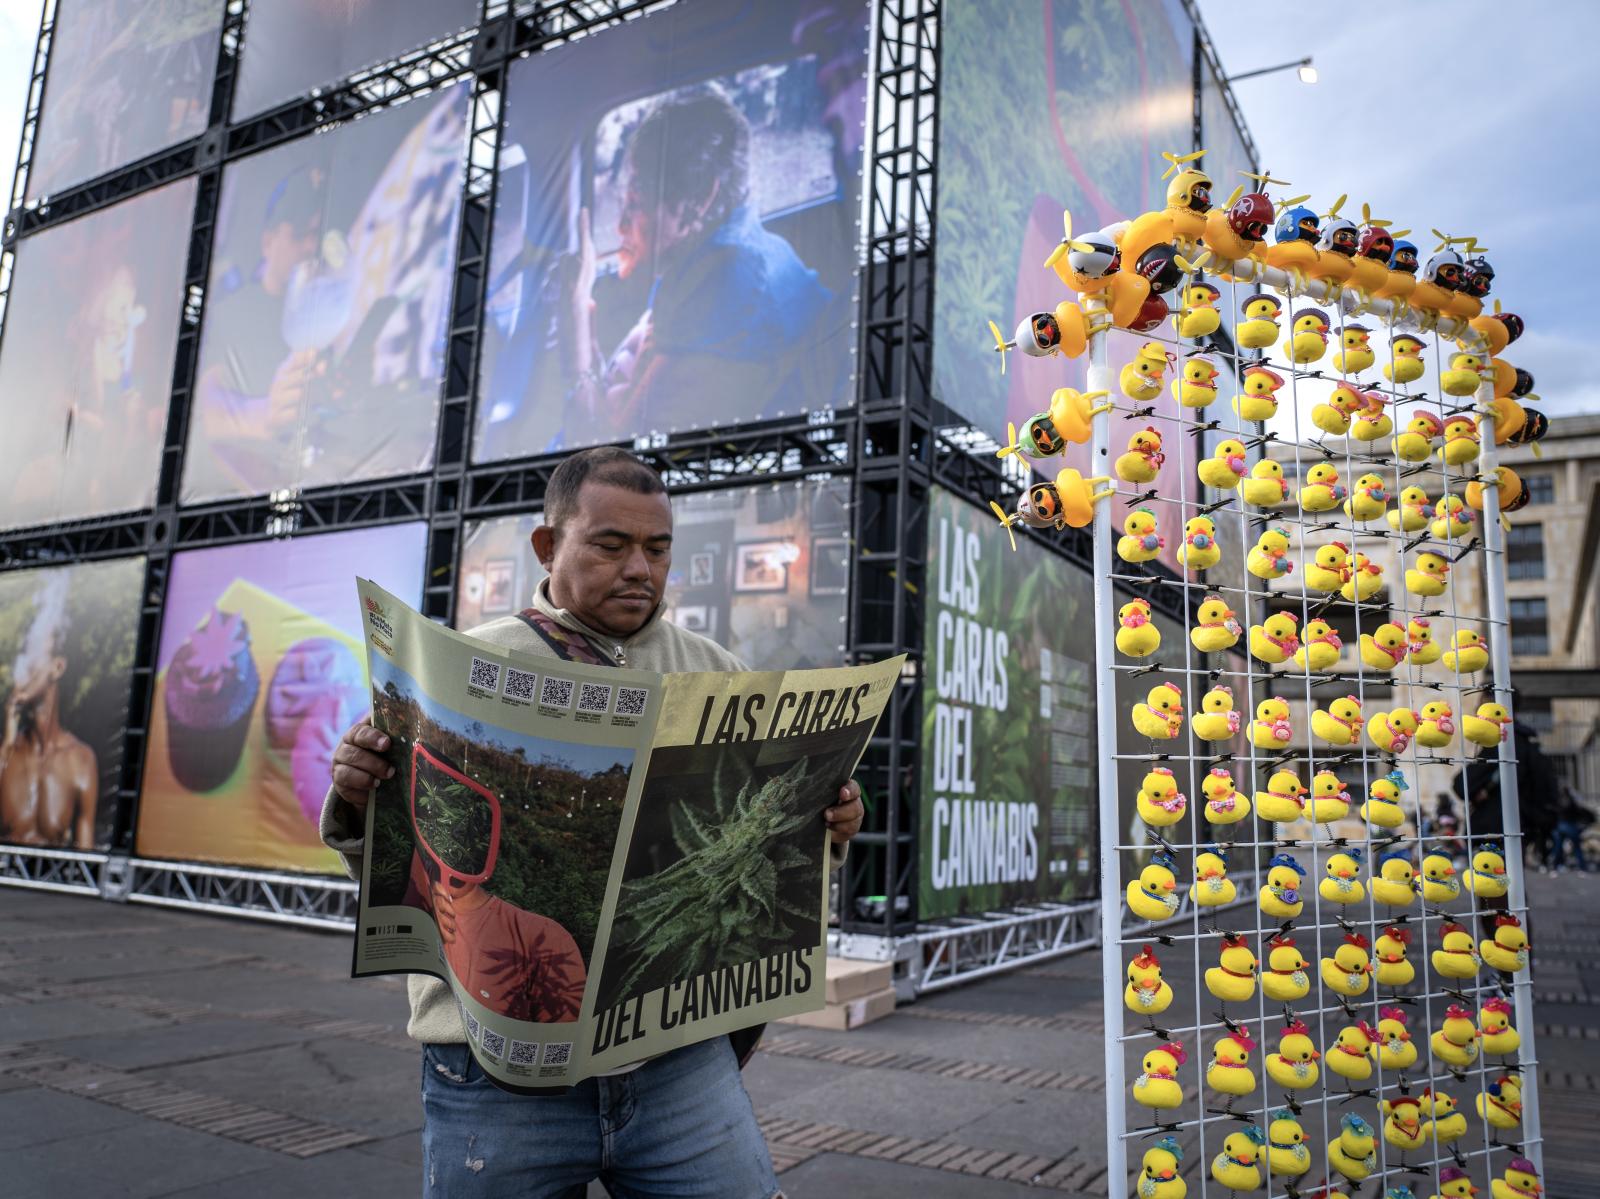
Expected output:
(1404, 257)
(1291, 224)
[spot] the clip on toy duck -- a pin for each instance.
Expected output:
(1159, 802)
(1152, 896)
(1158, 1085)
(1229, 1072)
(1285, 979)
(1280, 897)
(1137, 634)
(1147, 992)
(1212, 887)
(1394, 885)
(1283, 801)
(1487, 874)
(1350, 1054)
(1320, 647)
(1287, 1151)
(1348, 971)
(1238, 1166)
(1339, 724)
(1216, 720)
(1269, 557)
(1160, 716)
(1216, 626)
(1353, 1152)
(1455, 1043)
(1143, 459)
(1500, 1106)
(1382, 805)
(1199, 550)
(1294, 1066)
(1392, 968)
(1394, 1049)
(1457, 956)
(1392, 731)
(1446, 1124)
(1271, 728)
(1265, 488)
(1520, 1181)
(1508, 951)
(1233, 978)
(1158, 1171)
(1259, 399)
(1495, 1032)
(1402, 1125)
(1343, 885)
(1275, 639)
(1141, 539)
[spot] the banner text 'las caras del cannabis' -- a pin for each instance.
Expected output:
(603, 864)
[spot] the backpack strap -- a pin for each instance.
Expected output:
(566, 644)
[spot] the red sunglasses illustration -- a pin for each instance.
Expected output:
(422, 756)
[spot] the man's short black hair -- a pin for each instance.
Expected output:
(692, 149)
(608, 464)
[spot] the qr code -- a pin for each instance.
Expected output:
(524, 1053)
(472, 1024)
(485, 675)
(519, 683)
(556, 693)
(557, 1053)
(493, 1043)
(594, 697)
(630, 701)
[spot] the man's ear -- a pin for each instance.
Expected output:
(544, 545)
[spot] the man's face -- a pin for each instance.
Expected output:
(648, 228)
(608, 562)
(283, 247)
(33, 682)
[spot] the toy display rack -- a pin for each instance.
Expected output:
(1203, 1121)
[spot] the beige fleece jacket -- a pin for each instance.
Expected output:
(658, 646)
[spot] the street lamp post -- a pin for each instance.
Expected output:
(1307, 72)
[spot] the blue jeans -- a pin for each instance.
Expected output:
(679, 1125)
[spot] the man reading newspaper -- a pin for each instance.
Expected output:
(677, 1124)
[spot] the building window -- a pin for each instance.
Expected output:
(1530, 627)
(1525, 552)
(1541, 488)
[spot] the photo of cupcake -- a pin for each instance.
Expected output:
(211, 692)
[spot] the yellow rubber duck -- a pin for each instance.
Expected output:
(1349, 1055)
(1274, 639)
(1372, 420)
(1354, 1151)
(1436, 726)
(1510, 484)
(1452, 518)
(1412, 512)
(1348, 971)
(1283, 802)
(1196, 384)
(1510, 949)
(1521, 1178)
(1216, 627)
(1285, 979)
(1457, 956)
(1446, 1125)
(1233, 978)
(1158, 1085)
(1402, 1124)
(1354, 354)
(1216, 720)
(1339, 723)
(1158, 1171)
(1343, 882)
(1336, 252)
(1460, 441)
(1160, 717)
(1225, 804)
(1392, 969)
(1392, 731)
(1455, 1043)
(1199, 550)
(1280, 898)
(1330, 567)
(1394, 885)
(1330, 801)
(1405, 363)
(1212, 887)
(1159, 802)
(1137, 634)
(1224, 468)
(1500, 1106)
(1238, 1166)
(1198, 317)
(1382, 807)
(1295, 1064)
(1319, 648)
(1365, 581)
(1385, 647)
(1333, 415)
(1271, 728)
(1141, 379)
(1141, 539)
(1147, 992)
(1308, 336)
(1416, 443)
(1425, 651)
(1259, 329)
(1287, 1151)
(1078, 496)
(1439, 881)
(1153, 895)
(1464, 376)
(1322, 491)
(1269, 557)
(1430, 576)
(1259, 399)
(1229, 1072)
(1470, 653)
(1143, 459)
(1486, 877)
(1067, 421)
(1368, 499)
(1495, 1032)
(1265, 488)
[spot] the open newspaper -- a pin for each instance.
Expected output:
(603, 864)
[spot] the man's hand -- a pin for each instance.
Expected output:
(358, 768)
(444, 911)
(844, 818)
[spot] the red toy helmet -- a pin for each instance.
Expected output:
(1152, 313)
(1250, 216)
(1376, 242)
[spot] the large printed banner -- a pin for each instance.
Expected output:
(259, 673)
(763, 571)
(125, 78)
(292, 46)
(322, 348)
(86, 365)
(66, 663)
(603, 864)
(679, 250)
(1008, 802)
